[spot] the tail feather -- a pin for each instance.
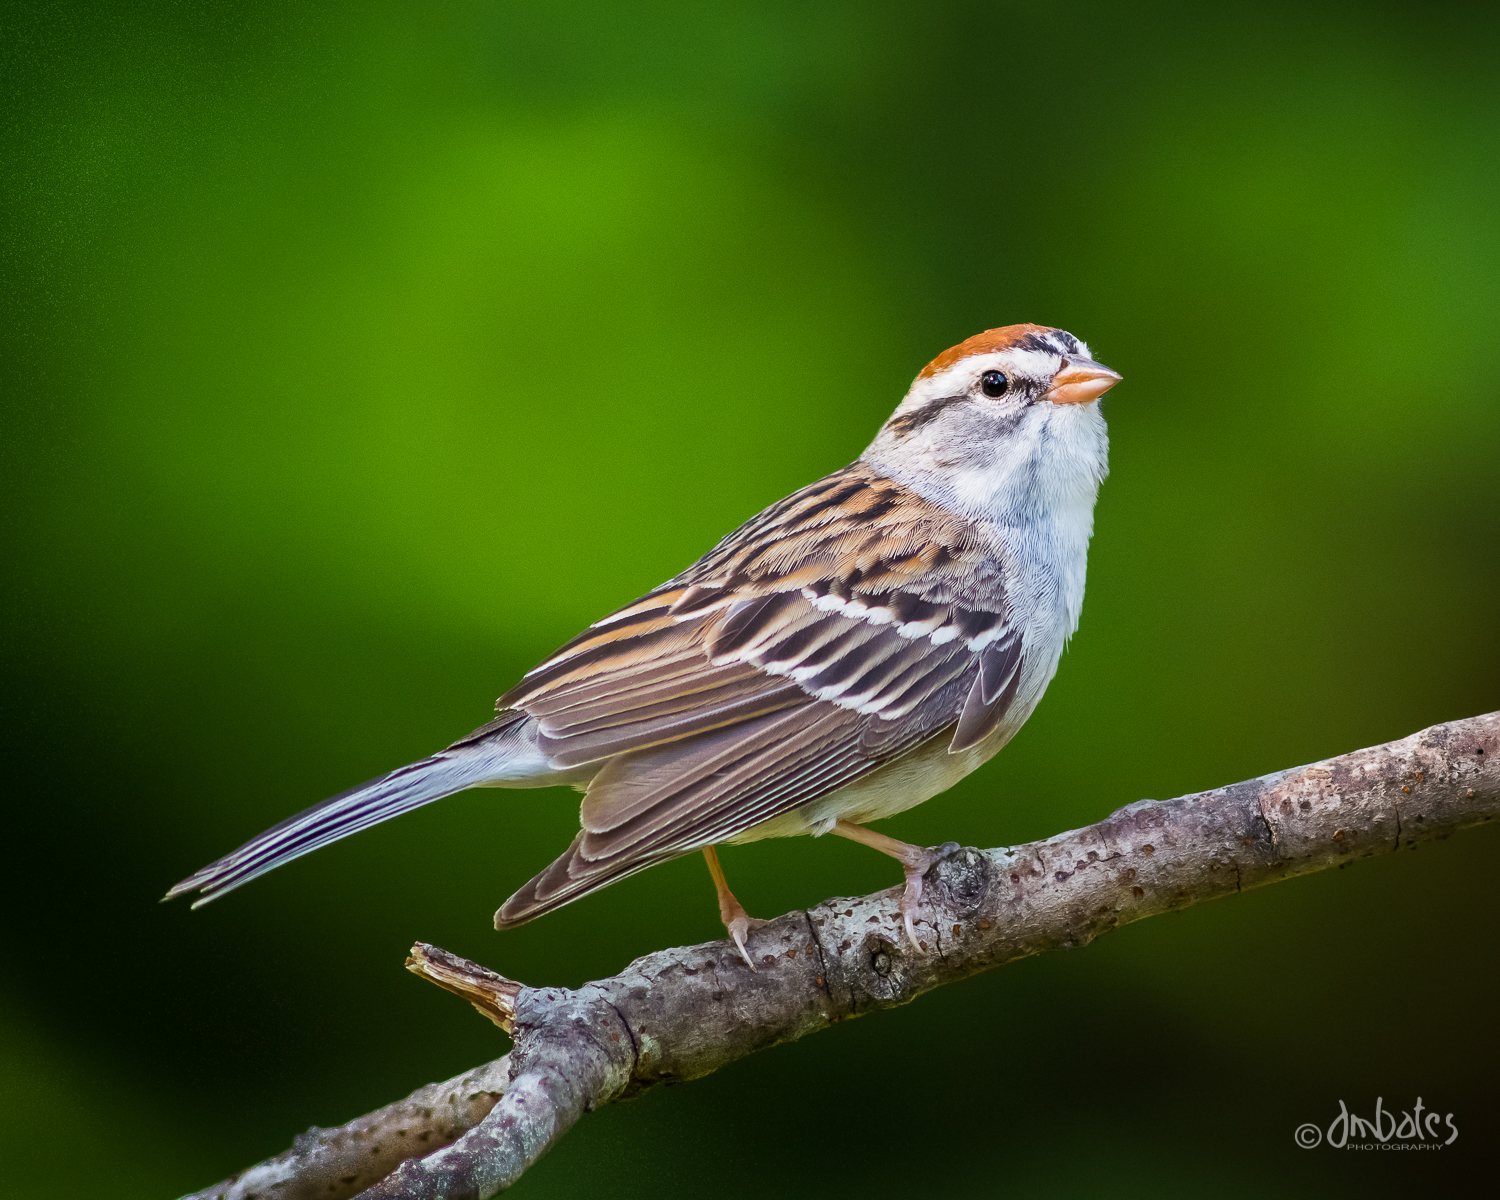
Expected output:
(465, 765)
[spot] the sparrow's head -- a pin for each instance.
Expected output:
(999, 408)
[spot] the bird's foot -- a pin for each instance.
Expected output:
(739, 926)
(916, 863)
(731, 911)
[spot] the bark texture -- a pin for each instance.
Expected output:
(680, 1014)
(332, 1164)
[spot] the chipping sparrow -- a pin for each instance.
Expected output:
(846, 654)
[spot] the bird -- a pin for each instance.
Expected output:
(844, 655)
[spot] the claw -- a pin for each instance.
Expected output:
(911, 936)
(739, 929)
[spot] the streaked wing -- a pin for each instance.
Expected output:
(828, 636)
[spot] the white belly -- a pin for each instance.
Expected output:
(903, 784)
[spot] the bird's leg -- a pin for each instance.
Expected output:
(914, 860)
(731, 911)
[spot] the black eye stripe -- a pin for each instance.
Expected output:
(909, 423)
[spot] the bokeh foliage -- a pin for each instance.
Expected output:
(358, 354)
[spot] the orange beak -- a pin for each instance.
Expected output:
(1080, 382)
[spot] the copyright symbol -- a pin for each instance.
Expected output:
(1307, 1136)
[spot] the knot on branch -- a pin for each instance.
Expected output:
(960, 880)
(574, 1034)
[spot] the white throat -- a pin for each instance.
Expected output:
(1029, 486)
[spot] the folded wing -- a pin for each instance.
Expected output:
(835, 632)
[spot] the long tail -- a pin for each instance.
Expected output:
(473, 761)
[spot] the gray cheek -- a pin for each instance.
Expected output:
(979, 428)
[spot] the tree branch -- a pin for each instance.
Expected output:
(680, 1014)
(337, 1163)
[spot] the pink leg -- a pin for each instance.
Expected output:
(731, 911)
(914, 860)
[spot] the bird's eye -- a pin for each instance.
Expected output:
(993, 384)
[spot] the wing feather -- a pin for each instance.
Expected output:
(837, 631)
(574, 747)
(992, 692)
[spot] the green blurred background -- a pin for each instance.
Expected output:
(356, 355)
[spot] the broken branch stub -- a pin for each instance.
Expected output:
(493, 995)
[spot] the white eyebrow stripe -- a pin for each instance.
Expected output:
(1035, 364)
(1032, 364)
